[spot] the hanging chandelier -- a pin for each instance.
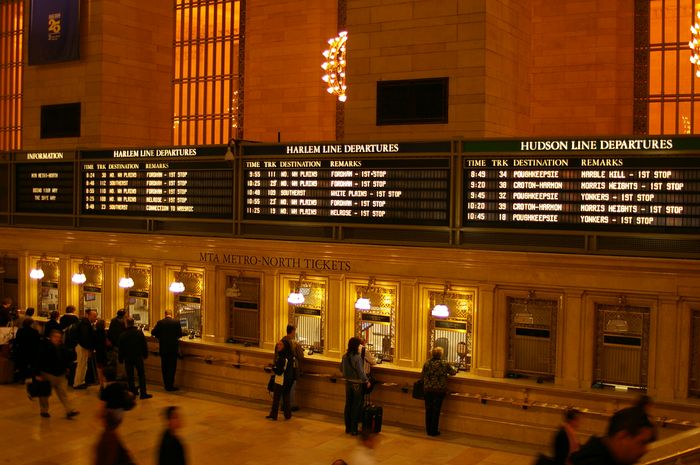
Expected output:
(694, 45)
(334, 66)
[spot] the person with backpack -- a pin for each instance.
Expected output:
(355, 378)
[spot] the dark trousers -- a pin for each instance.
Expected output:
(281, 391)
(168, 365)
(433, 404)
(353, 406)
(129, 366)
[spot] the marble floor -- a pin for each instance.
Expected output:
(220, 431)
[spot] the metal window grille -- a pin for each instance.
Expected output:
(532, 336)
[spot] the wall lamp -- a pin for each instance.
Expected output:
(234, 290)
(334, 66)
(362, 303)
(231, 150)
(440, 310)
(127, 282)
(296, 297)
(79, 277)
(37, 272)
(178, 286)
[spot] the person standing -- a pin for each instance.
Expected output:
(355, 378)
(116, 327)
(284, 368)
(168, 332)
(25, 349)
(171, 450)
(297, 360)
(68, 318)
(52, 365)
(85, 348)
(52, 324)
(133, 350)
(566, 441)
(629, 434)
(435, 373)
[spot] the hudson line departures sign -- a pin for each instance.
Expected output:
(603, 184)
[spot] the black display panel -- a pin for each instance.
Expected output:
(156, 182)
(644, 194)
(44, 187)
(411, 191)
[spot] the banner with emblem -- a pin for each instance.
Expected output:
(54, 31)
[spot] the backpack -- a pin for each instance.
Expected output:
(70, 335)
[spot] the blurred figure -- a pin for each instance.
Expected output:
(115, 394)
(629, 434)
(109, 449)
(52, 365)
(565, 441)
(101, 346)
(52, 324)
(168, 332)
(283, 367)
(171, 450)
(7, 311)
(435, 373)
(133, 350)
(85, 348)
(364, 453)
(26, 348)
(355, 379)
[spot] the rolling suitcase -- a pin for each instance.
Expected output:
(372, 416)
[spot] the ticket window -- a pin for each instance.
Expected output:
(91, 289)
(188, 303)
(308, 316)
(48, 287)
(532, 336)
(454, 332)
(375, 318)
(137, 296)
(243, 302)
(622, 345)
(694, 378)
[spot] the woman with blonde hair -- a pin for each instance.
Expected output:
(435, 373)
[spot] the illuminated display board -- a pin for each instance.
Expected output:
(173, 182)
(44, 183)
(596, 190)
(348, 183)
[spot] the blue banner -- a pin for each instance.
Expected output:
(54, 31)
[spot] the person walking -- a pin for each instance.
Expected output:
(355, 378)
(52, 365)
(565, 441)
(168, 332)
(133, 350)
(171, 450)
(85, 348)
(283, 369)
(435, 373)
(109, 449)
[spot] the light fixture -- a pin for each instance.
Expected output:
(79, 277)
(440, 310)
(234, 290)
(334, 66)
(38, 273)
(127, 282)
(231, 150)
(296, 297)
(694, 45)
(362, 303)
(178, 286)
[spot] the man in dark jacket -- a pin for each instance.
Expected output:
(168, 332)
(629, 433)
(52, 365)
(68, 318)
(116, 326)
(85, 347)
(133, 350)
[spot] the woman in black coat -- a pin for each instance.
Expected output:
(284, 367)
(26, 349)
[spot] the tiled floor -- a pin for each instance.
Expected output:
(220, 431)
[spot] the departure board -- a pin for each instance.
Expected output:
(143, 183)
(607, 193)
(44, 186)
(378, 190)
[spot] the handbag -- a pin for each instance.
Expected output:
(418, 391)
(38, 388)
(271, 383)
